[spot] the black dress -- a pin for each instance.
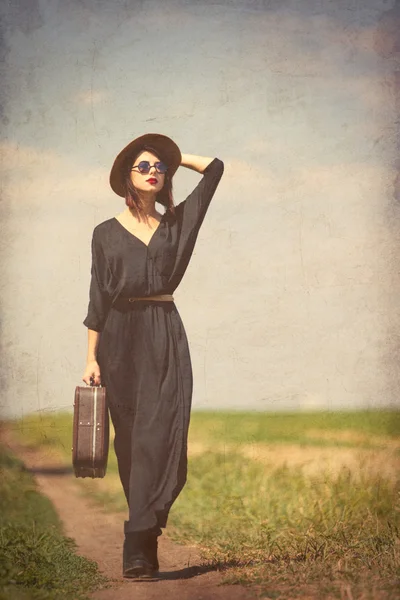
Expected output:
(143, 351)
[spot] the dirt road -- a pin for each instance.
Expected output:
(99, 537)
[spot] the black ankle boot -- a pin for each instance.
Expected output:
(137, 555)
(152, 547)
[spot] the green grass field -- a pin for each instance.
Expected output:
(37, 561)
(244, 427)
(54, 429)
(297, 505)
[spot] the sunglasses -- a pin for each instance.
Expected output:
(144, 167)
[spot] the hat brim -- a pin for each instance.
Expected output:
(166, 148)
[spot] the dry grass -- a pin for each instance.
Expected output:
(313, 461)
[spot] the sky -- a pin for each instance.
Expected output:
(294, 278)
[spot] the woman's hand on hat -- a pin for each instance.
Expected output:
(196, 163)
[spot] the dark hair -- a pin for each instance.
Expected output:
(164, 196)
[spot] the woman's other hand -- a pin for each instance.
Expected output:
(92, 371)
(92, 366)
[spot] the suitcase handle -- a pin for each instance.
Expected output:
(92, 383)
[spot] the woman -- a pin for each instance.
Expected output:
(142, 356)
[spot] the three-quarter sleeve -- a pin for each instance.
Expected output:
(191, 211)
(190, 215)
(99, 298)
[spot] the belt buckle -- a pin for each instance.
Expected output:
(132, 299)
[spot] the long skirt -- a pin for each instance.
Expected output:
(145, 365)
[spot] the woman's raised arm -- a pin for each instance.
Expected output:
(196, 163)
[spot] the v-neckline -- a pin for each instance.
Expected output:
(138, 238)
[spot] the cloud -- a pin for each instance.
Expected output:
(90, 97)
(244, 177)
(242, 168)
(18, 156)
(38, 176)
(376, 92)
(308, 45)
(316, 177)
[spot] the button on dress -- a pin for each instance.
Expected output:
(143, 351)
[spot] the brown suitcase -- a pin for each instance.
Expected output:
(91, 432)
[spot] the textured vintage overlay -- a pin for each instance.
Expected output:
(291, 299)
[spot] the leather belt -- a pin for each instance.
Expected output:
(162, 297)
(125, 303)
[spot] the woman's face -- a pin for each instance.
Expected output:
(147, 182)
